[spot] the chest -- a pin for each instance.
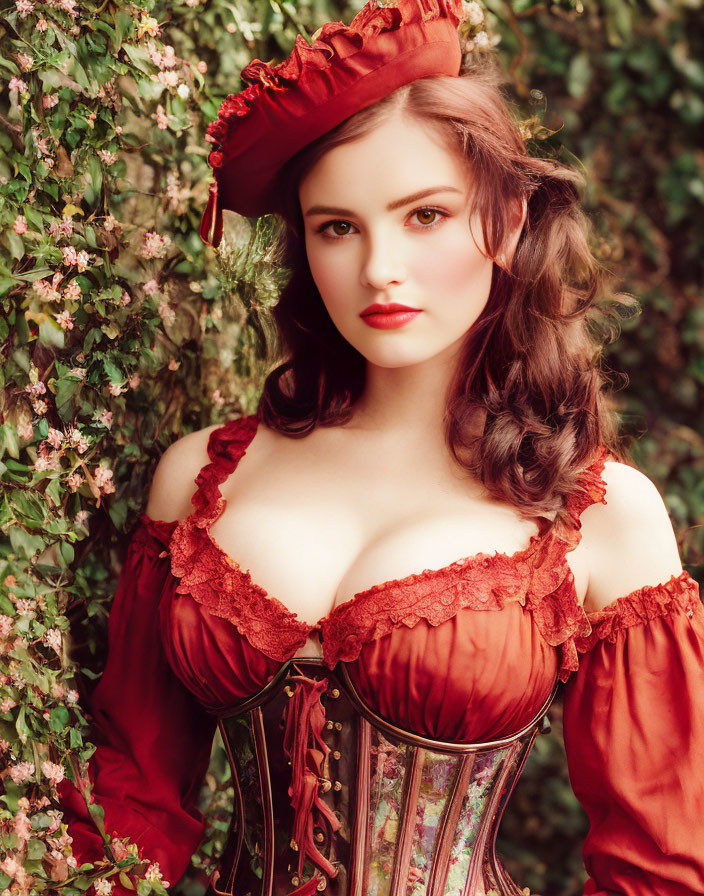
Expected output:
(317, 521)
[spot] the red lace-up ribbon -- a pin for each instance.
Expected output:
(305, 747)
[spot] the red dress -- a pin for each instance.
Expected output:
(464, 653)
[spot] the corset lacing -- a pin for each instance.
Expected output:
(305, 747)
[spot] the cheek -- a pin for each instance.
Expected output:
(453, 264)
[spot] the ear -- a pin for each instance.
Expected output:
(519, 213)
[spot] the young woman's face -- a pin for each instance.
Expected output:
(387, 221)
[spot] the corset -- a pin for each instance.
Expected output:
(329, 797)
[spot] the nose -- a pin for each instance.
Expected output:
(382, 262)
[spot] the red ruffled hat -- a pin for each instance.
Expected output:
(287, 106)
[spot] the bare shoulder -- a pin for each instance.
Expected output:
(629, 542)
(174, 479)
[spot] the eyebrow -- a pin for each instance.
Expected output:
(392, 206)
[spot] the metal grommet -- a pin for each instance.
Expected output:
(335, 693)
(329, 725)
(322, 884)
(320, 836)
(338, 726)
(336, 754)
(293, 845)
(295, 880)
(337, 785)
(289, 691)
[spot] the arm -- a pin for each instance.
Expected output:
(633, 714)
(153, 738)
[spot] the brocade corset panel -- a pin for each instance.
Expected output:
(330, 797)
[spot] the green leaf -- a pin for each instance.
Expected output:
(9, 440)
(125, 881)
(50, 333)
(58, 718)
(35, 849)
(94, 180)
(15, 243)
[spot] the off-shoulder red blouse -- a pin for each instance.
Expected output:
(190, 634)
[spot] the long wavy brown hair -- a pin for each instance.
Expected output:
(527, 408)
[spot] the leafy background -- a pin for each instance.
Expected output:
(121, 331)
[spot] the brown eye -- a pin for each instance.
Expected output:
(426, 215)
(341, 224)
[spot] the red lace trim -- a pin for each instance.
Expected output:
(210, 576)
(680, 592)
(538, 577)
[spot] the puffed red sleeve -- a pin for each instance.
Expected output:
(153, 738)
(634, 736)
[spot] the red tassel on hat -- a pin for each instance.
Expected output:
(211, 222)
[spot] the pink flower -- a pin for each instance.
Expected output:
(74, 481)
(150, 287)
(73, 291)
(23, 827)
(82, 260)
(40, 407)
(20, 225)
(108, 157)
(11, 866)
(53, 638)
(162, 120)
(55, 437)
(68, 6)
(22, 770)
(24, 7)
(41, 25)
(45, 291)
(72, 696)
(110, 223)
(70, 255)
(5, 625)
(154, 245)
(7, 704)
(174, 364)
(106, 417)
(102, 886)
(65, 320)
(202, 67)
(116, 389)
(66, 226)
(134, 380)
(26, 607)
(52, 771)
(166, 312)
(218, 400)
(119, 850)
(103, 479)
(169, 79)
(49, 100)
(153, 873)
(4, 746)
(38, 388)
(18, 84)
(25, 61)
(126, 298)
(58, 690)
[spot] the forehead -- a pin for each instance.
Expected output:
(399, 155)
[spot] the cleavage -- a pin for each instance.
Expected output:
(313, 561)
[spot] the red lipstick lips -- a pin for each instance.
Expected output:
(388, 317)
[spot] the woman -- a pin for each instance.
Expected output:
(377, 695)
